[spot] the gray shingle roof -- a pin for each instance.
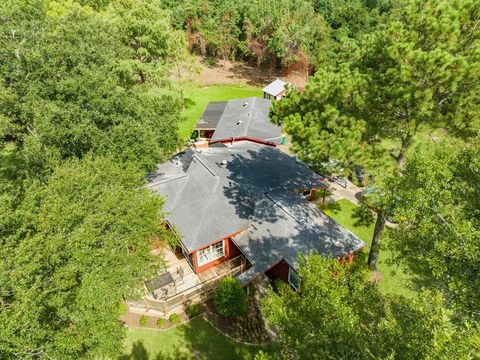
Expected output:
(214, 192)
(211, 116)
(275, 87)
(283, 226)
(247, 117)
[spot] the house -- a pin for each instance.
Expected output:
(247, 199)
(239, 119)
(275, 90)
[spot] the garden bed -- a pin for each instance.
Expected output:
(248, 329)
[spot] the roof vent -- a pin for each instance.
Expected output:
(224, 163)
(245, 104)
(239, 122)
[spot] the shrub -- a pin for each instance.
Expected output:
(123, 308)
(160, 322)
(230, 300)
(193, 310)
(174, 318)
(143, 320)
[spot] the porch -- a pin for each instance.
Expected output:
(183, 286)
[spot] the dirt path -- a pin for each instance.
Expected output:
(228, 72)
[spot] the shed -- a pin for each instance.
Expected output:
(275, 90)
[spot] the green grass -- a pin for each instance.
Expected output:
(196, 339)
(197, 98)
(394, 279)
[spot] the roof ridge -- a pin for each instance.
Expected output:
(163, 181)
(285, 210)
(250, 114)
(205, 165)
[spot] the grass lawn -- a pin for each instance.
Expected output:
(196, 339)
(197, 98)
(394, 279)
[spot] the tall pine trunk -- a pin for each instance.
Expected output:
(406, 142)
(376, 241)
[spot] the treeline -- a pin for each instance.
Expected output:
(405, 111)
(289, 34)
(87, 107)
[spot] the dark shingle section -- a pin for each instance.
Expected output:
(247, 117)
(211, 116)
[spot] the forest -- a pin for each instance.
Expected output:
(91, 100)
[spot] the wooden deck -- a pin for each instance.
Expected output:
(192, 289)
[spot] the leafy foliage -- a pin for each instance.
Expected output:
(63, 75)
(293, 34)
(340, 314)
(77, 246)
(174, 318)
(78, 131)
(143, 320)
(230, 299)
(193, 310)
(411, 73)
(438, 238)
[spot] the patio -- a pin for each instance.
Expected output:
(179, 286)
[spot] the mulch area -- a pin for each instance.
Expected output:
(249, 328)
(132, 320)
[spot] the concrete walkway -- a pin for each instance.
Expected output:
(352, 192)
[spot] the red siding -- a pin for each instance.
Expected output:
(231, 251)
(279, 271)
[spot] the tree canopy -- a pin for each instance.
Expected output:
(63, 74)
(418, 70)
(74, 246)
(341, 315)
(294, 35)
(87, 107)
(437, 206)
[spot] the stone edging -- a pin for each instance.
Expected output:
(190, 319)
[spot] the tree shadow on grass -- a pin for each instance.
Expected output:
(194, 340)
(334, 207)
(188, 103)
(140, 352)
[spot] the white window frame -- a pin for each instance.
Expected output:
(290, 272)
(210, 249)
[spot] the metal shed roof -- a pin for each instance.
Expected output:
(275, 87)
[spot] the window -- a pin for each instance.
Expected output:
(294, 279)
(211, 253)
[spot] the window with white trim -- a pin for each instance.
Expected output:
(294, 279)
(214, 251)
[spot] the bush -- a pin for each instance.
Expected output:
(160, 322)
(193, 310)
(174, 318)
(143, 321)
(123, 308)
(230, 300)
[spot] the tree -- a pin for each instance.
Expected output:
(438, 238)
(80, 242)
(339, 314)
(230, 299)
(416, 72)
(60, 62)
(145, 29)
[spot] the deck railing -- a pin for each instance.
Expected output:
(198, 292)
